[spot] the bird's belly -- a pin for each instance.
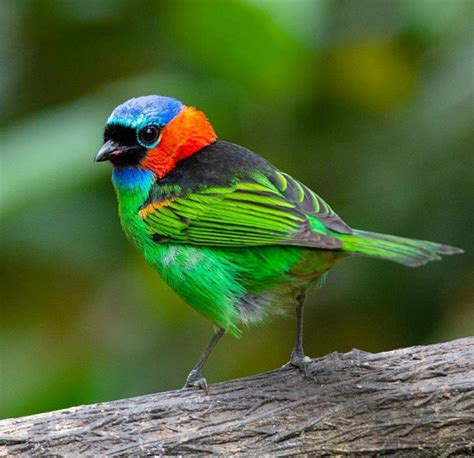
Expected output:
(232, 285)
(277, 275)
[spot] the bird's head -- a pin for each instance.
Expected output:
(154, 133)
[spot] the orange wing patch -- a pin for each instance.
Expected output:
(150, 208)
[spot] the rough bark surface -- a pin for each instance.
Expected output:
(414, 401)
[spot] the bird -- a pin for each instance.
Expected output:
(238, 239)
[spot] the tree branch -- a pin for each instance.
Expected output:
(417, 401)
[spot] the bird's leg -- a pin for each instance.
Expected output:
(195, 378)
(298, 358)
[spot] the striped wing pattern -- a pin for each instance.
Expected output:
(308, 202)
(253, 212)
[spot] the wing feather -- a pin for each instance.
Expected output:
(270, 209)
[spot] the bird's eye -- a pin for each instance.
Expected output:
(149, 135)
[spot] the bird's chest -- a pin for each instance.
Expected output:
(132, 187)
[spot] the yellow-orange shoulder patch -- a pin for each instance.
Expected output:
(144, 212)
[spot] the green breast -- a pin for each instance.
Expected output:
(132, 186)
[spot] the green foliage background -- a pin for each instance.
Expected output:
(369, 102)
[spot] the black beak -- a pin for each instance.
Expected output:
(108, 150)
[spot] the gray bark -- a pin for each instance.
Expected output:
(413, 401)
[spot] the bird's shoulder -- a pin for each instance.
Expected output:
(225, 170)
(219, 164)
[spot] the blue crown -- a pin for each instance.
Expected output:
(149, 109)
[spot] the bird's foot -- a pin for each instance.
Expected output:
(196, 380)
(300, 361)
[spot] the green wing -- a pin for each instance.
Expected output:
(257, 211)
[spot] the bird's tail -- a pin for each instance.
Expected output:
(409, 252)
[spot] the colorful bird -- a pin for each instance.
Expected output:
(238, 239)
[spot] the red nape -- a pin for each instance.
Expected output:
(184, 135)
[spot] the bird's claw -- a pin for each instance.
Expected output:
(299, 361)
(196, 380)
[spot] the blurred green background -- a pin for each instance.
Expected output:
(370, 103)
